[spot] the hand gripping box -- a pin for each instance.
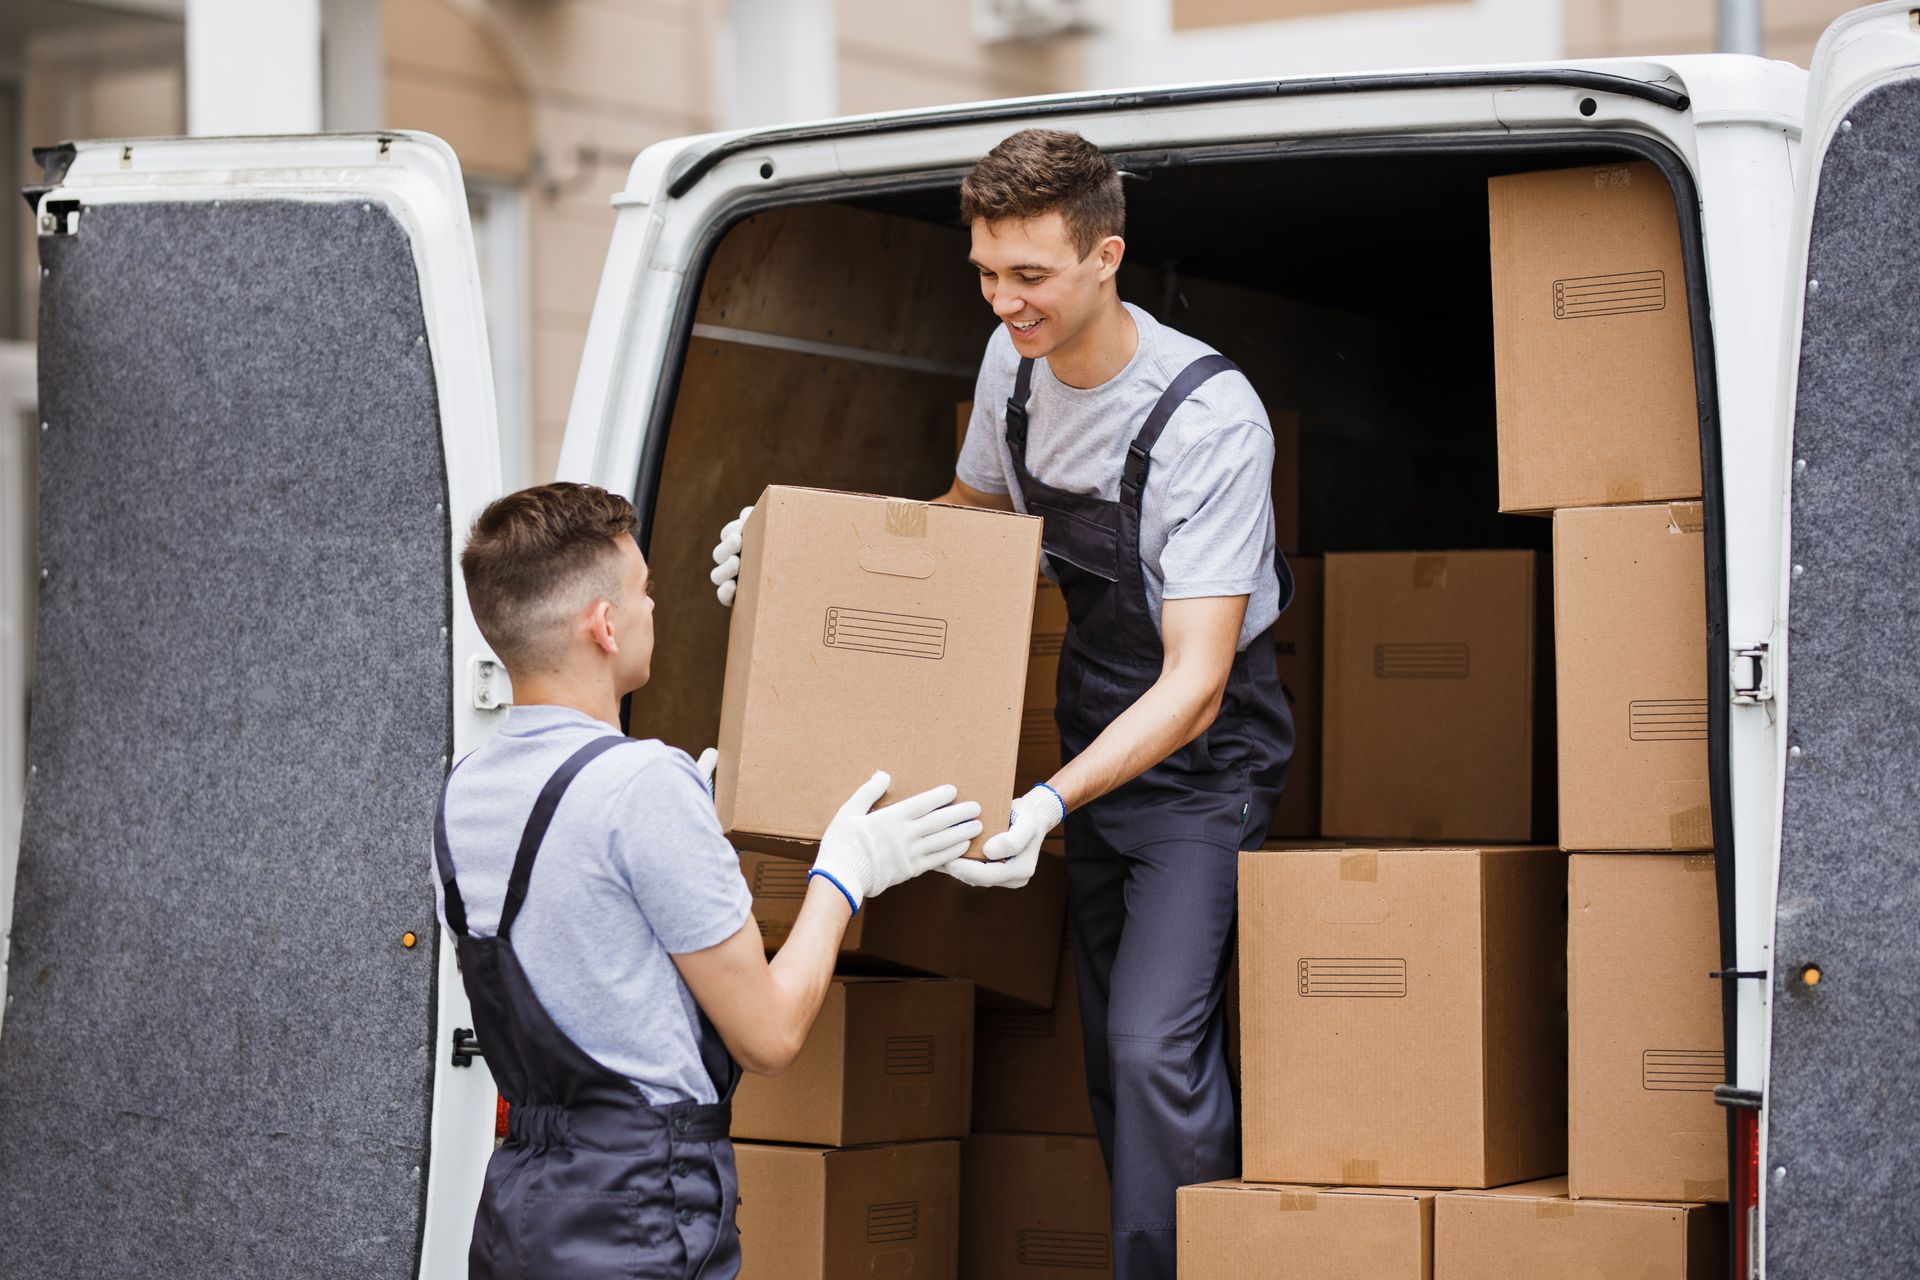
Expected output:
(872, 633)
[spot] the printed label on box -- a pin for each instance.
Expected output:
(1667, 720)
(1613, 295)
(1353, 977)
(901, 634)
(1682, 1070)
(1035, 1247)
(909, 1055)
(1421, 660)
(893, 1223)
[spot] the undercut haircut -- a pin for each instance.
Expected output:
(535, 558)
(1041, 171)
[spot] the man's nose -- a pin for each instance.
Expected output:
(1006, 302)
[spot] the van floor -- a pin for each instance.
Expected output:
(833, 342)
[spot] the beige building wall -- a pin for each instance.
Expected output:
(1610, 28)
(559, 98)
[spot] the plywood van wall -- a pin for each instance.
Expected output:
(881, 326)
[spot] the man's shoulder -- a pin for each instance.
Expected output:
(1226, 399)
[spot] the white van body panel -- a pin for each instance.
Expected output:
(417, 178)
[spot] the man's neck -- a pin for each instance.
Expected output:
(1100, 351)
(595, 699)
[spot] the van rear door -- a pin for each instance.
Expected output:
(266, 415)
(1840, 1160)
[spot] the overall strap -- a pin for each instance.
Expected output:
(538, 820)
(1017, 411)
(443, 857)
(1133, 476)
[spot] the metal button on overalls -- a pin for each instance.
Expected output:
(1153, 866)
(581, 1187)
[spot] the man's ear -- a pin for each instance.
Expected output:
(600, 626)
(1108, 253)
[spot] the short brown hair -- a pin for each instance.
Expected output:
(533, 556)
(1040, 171)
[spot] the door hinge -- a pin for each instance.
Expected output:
(1752, 676)
(492, 689)
(466, 1047)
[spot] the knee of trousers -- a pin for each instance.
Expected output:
(1147, 1057)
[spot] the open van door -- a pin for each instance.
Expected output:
(265, 418)
(1842, 1153)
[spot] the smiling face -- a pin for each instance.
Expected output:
(1046, 293)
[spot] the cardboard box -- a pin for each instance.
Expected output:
(888, 1060)
(1592, 340)
(1532, 1231)
(1039, 757)
(813, 1214)
(1630, 644)
(1030, 1067)
(1243, 1230)
(1297, 638)
(1034, 1207)
(1436, 721)
(1006, 941)
(859, 622)
(1403, 1016)
(1644, 1036)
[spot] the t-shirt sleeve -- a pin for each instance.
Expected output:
(667, 841)
(1220, 501)
(982, 461)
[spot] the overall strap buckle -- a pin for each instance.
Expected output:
(1016, 426)
(1133, 475)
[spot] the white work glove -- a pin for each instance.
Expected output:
(1014, 853)
(868, 850)
(726, 558)
(707, 764)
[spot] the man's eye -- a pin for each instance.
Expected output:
(1032, 279)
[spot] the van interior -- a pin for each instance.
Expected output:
(832, 341)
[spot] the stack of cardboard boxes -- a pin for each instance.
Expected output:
(852, 1162)
(1465, 1055)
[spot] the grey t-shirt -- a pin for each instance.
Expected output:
(633, 872)
(1206, 520)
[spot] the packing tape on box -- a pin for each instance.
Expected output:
(1298, 1201)
(1691, 828)
(1429, 573)
(1553, 1208)
(1363, 864)
(1685, 517)
(1697, 862)
(906, 519)
(1360, 1173)
(1704, 1190)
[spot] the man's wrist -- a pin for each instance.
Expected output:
(852, 901)
(1058, 799)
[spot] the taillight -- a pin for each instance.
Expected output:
(500, 1120)
(1746, 1194)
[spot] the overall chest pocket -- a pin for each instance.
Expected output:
(1090, 545)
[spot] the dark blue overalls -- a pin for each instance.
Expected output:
(1153, 866)
(593, 1180)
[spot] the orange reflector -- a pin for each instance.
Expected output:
(500, 1119)
(407, 940)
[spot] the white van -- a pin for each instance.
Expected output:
(232, 1037)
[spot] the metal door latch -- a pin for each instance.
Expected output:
(492, 689)
(1752, 676)
(466, 1047)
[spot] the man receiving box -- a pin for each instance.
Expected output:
(1149, 458)
(605, 933)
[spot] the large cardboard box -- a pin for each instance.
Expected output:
(1436, 720)
(1039, 757)
(1034, 1207)
(1403, 1016)
(1630, 623)
(1006, 941)
(860, 622)
(1259, 1231)
(1644, 1048)
(1030, 1067)
(1297, 638)
(808, 1213)
(1592, 340)
(888, 1060)
(1533, 1232)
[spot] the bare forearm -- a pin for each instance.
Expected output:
(803, 967)
(1175, 710)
